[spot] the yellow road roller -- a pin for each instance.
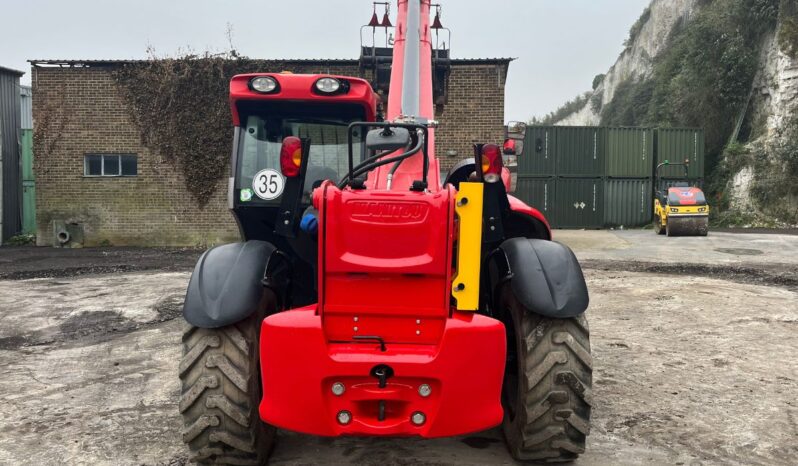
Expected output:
(680, 209)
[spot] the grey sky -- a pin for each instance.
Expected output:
(560, 44)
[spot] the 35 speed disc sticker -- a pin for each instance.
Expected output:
(268, 184)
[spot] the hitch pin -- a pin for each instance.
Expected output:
(382, 375)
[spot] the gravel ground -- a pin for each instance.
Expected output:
(695, 363)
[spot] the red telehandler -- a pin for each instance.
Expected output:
(370, 297)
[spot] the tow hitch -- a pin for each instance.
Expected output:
(382, 373)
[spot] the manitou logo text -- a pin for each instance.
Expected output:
(389, 212)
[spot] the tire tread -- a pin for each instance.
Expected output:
(220, 393)
(553, 416)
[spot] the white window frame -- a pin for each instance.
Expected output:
(102, 165)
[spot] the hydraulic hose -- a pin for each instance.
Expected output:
(379, 163)
(374, 157)
(396, 166)
(373, 162)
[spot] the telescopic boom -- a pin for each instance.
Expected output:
(410, 93)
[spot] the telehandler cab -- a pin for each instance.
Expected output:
(368, 296)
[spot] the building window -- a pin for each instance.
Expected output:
(110, 165)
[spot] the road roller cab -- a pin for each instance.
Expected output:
(681, 209)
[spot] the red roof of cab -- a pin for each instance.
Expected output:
(299, 88)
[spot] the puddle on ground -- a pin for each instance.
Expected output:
(740, 251)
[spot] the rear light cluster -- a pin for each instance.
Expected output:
(291, 156)
(491, 163)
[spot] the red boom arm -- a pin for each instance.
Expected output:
(410, 93)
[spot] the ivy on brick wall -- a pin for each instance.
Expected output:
(50, 126)
(181, 108)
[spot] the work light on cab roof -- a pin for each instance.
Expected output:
(330, 86)
(264, 84)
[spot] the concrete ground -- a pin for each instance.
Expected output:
(718, 249)
(695, 343)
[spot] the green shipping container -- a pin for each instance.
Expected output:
(677, 145)
(578, 203)
(538, 156)
(579, 151)
(629, 152)
(627, 202)
(537, 193)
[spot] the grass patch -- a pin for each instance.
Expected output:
(21, 240)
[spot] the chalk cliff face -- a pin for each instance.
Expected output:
(774, 105)
(637, 60)
(775, 87)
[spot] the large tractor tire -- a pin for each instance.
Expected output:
(221, 390)
(547, 394)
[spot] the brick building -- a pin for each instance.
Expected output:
(83, 124)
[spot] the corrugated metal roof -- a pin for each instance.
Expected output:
(478, 61)
(88, 63)
(100, 63)
(3, 69)
(26, 106)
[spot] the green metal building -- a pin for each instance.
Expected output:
(26, 159)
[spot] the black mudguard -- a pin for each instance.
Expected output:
(544, 276)
(460, 172)
(228, 284)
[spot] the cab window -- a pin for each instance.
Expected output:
(261, 140)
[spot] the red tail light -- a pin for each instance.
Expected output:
(491, 162)
(291, 156)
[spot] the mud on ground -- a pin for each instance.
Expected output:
(24, 262)
(694, 364)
